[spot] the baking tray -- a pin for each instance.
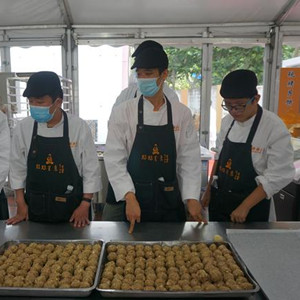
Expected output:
(176, 294)
(51, 292)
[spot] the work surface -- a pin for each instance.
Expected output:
(118, 231)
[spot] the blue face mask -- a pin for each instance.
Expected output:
(41, 114)
(148, 86)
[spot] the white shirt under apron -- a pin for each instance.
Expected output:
(272, 152)
(121, 134)
(82, 146)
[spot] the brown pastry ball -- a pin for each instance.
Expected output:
(241, 279)
(149, 282)
(137, 285)
(157, 247)
(202, 276)
(130, 248)
(75, 283)
(149, 288)
(125, 286)
(237, 272)
(121, 251)
(121, 262)
(64, 285)
(207, 286)
(174, 288)
(111, 248)
(104, 285)
(162, 275)
(129, 278)
(174, 277)
(116, 284)
(246, 285)
(107, 274)
(139, 247)
(215, 275)
(151, 276)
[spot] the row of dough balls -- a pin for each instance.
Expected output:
(49, 265)
(185, 267)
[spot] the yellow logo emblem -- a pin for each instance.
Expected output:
(49, 160)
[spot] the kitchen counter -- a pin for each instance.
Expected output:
(118, 231)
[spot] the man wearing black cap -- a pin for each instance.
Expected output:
(132, 90)
(152, 154)
(53, 158)
(254, 155)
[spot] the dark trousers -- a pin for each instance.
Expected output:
(3, 206)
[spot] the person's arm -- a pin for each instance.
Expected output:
(239, 215)
(115, 158)
(5, 149)
(90, 171)
(22, 209)
(206, 195)
(189, 167)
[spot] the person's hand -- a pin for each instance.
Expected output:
(22, 214)
(80, 216)
(240, 214)
(133, 210)
(195, 210)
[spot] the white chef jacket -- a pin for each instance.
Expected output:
(272, 152)
(82, 147)
(121, 134)
(132, 90)
(5, 149)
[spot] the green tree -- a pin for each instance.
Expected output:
(185, 63)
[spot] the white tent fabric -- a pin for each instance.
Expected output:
(126, 12)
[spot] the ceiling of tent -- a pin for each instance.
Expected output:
(133, 12)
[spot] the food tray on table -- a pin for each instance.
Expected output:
(175, 269)
(49, 268)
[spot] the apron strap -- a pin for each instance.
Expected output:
(255, 124)
(141, 112)
(33, 148)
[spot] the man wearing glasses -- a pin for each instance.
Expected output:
(254, 155)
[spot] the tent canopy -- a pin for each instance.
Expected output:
(134, 12)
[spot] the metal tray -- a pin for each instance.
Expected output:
(177, 294)
(51, 292)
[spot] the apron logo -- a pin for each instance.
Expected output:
(49, 160)
(156, 156)
(228, 171)
(50, 166)
(228, 164)
(155, 150)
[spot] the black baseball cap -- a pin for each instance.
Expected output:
(239, 84)
(151, 58)
(146, 44)
(43, 83)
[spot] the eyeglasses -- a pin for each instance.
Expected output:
(238, 108)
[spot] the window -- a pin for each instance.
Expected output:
(103, 73)
(225, 61)
(37, 58)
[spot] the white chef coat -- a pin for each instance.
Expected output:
(82, 146)
(132, 89)
(272, 152)
(121, 134)
(5, 149)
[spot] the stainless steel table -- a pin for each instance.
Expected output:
(118, 231)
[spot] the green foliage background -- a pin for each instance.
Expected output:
(183, 62)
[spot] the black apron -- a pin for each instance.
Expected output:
(236, 180)
(54, 187)
(152, 167)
